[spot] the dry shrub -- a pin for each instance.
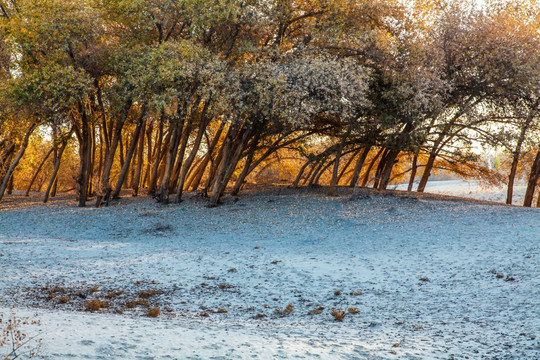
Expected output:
(204, 314)
(93, 289)
(134, 303)
(317, 311)
(337, 292)
(114, 294)
(353, 310)
(95, 305)
(222, 310)
(338, 314)
(289, 309)
(145, 294)
(154, 312)
(259, 316)
(63, 299)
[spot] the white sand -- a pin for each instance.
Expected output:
(310, 246)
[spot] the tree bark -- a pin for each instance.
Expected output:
(516, 157)
(15, 162)
(533, 181)
(333, 181)
(152, 183)
(359, 165)
(129, 155)
(370, 166)
(140, 159)
(197, 177)
(54, 177)
(192, 155)
(105, 190)
(171, 157)
(414, 168)
(84, 152)
(36, 173)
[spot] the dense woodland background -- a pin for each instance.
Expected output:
(162, 97)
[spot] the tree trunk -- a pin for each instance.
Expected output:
(140, 159)
(380, 168)
(105, 190)
(233, 148)
(84, 152)
(38, 171)
(346, 166)
(15, 162)
(171, 157)
(129, 156)
(300, 173)
(515, 159)
(247, 165)
(414, 168)
(197, 177)
(389, 165)
(533, 181)
(149, 153)
(191, 157)
(54, 177)
(359, 165)
(371, 164)
(181, 154)
(152, 183)
(333, 181)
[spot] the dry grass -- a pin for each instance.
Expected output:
(317, 311)
(154, 312)
(146, 294)
(338, 315)
(95, 305)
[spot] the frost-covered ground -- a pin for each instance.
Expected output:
(431, 277)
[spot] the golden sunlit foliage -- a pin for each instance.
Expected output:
(103, 95)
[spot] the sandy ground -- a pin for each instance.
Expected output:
(430, 277)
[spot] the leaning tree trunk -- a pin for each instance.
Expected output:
(231, 156)
(152, 183)
(191, 157)
(368, 170)
(105, 190)
(198, 174)
(140, 159)
(387, 170)
(515, 159)
(358, 166)
(171, 157)
(84, 153)
(334, 180)
(380, 168)
(5, 158)
(247, 165)
(15, 162)
(54, 177)
(38, 171)
(533, 181)
(347, 164)
(414, 168)
(128, 158)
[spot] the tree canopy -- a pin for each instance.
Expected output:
(176, 95)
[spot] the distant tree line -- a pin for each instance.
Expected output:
(173, 96)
